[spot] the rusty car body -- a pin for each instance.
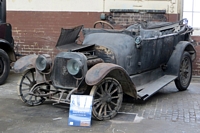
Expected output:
(7, 53)
(136, 61)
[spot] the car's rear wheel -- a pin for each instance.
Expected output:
(107, 98)
(26, 82)
(185, 73)
(4, 66)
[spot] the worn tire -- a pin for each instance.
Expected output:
(185, 73)
(4, 66)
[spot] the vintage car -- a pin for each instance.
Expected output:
(109, 63)
(7, 53)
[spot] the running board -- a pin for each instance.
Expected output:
(145, 91)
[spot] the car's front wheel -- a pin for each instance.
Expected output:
(185, 73)
(107, 98)
(4, 66)
(26, 82)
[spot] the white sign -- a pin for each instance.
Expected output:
(80, 110)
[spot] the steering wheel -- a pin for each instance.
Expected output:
(103, 25)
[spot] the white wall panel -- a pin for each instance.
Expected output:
(91, 5)
(55, 5)
(168, 5)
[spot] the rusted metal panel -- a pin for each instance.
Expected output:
(68, 36)
(117, 48)
(93, 62)
(101, 70)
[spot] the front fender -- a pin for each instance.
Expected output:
(173, 65)
(25, 63)
(8, 48)
(98, 72)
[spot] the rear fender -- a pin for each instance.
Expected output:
(102, 70)
(173, 65)
(25, 63)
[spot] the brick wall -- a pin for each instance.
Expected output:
(37, 32)
(196, 63)
(130, 18)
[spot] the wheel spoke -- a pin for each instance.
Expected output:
(35, 98)
(106, 87)
(105, 110)
(25, 95)
(98, 93)
(25, 89)
(30, 97)
(187, 69)
(113, 103)
(110, 109)
(184, 64)
(114, 91)
(28, 79)
(26, 84)
(102, 91)
(33, 77)
(100, 110)
(111, 86)
(98, 105)
(96, 101)
(115, 97)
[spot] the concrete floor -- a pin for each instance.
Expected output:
(168, 111)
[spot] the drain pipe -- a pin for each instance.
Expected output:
(2, 11)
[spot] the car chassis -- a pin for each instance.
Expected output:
(136, 61)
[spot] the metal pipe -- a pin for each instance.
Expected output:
(2, 11)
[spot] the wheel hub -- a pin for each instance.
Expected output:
(106, 98)
(185, 72)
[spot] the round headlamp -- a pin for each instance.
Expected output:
(138, 41)
(74, 66)
(43, 63)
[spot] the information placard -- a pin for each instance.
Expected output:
(80, 110)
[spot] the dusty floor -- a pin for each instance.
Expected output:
(168, 111)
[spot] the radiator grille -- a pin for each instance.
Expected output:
(60, 76)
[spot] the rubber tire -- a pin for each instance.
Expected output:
(6, 65)
(178, 83)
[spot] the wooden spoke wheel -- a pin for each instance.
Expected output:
(25, 84)
(107, 99)
(103, 25)
(185, 73)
